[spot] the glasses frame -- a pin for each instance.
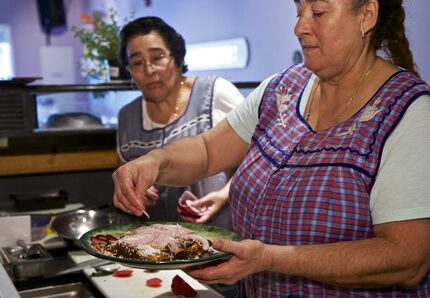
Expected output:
(145, 65)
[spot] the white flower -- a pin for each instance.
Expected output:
(369, 112)
(281, 102)
(95, 69)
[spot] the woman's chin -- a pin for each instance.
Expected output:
(309, 64)
(154, 97)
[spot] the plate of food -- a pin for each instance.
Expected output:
(157, 245)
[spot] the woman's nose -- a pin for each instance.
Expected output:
(149, 69)
(302, 26)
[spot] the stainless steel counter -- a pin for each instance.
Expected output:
(7, 289)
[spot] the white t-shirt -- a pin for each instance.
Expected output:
(402, 186)
(226, 97)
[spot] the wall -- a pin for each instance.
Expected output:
(267, 25)
(417, 26)
(223, 19)
(28, 36)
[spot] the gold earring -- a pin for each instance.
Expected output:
(363, 32)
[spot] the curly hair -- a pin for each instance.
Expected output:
(389, 34)
(146, 25)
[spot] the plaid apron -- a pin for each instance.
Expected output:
(298, 187)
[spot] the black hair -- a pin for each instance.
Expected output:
(389, 34)
(146, 25)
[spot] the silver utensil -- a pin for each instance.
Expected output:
(104, 270)
(30, 252)
(85, 265)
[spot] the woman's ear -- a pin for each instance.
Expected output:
(370, 16)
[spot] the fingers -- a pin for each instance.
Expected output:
(225, 245)
(131, 192)
(151, 196)
(201, 203)
(209, 211)
(118, 204)
(154, 189)
(247, 258)
(244, 261)
(132, 181)
(204, 218)
(124, 196)
(188, 218)
(141, 187)
(206, 215)
(122, 207)
(220, 273)
(119, 199)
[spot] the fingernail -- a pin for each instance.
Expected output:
(217, 243)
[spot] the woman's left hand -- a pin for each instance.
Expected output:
(249, 256)
(210, 205)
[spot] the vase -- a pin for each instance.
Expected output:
(117, 71)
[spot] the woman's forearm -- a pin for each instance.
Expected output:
(343, 264)
(376, 262)
(190, 159)
(181, 162)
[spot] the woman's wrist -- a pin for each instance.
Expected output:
(156, 159)
(269, 252)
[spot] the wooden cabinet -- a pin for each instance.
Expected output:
(12, 165)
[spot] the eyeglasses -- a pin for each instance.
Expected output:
(138, 65)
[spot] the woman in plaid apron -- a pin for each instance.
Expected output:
(332, 195)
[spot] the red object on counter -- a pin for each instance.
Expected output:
(153, 282)
(181, 287)
(123, 273)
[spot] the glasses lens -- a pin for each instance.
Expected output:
(160, 60)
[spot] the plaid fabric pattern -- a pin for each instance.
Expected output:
(298, 187)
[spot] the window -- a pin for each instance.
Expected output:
(6, 69)
(223, 54)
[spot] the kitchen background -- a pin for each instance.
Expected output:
(266, 25)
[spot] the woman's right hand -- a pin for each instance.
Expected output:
(132, 183)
